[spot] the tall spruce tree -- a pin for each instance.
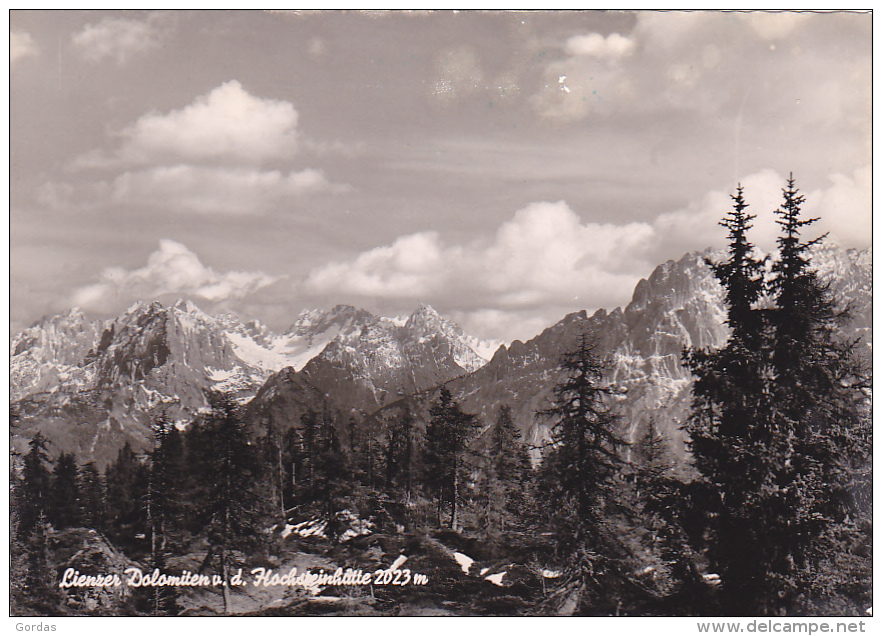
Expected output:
(163, 508)
(127, 481)
(448, 456)
(576, 477)
(369, 456)
(39, 592)
(291, 458)
(34, 494)
(310, 424)
(234, 507)
(93, 510)
(819, 409)
(729, 427)
(741, 274)
(17, 552)
(332, 481)
(506, 477)
(653, 454)
(775, 419)
(65, 504)
(273, 448)
(356, 442)
(399, 453)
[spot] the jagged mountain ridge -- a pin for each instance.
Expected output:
(93, 382)
(401, 359)
(680, 304)
(350, 362)
(50, 353)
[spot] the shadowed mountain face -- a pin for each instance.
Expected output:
(91, 386)
(679, 305)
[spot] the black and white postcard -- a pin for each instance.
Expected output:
(441, 313)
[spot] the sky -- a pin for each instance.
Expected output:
(506, 168)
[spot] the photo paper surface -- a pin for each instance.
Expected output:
(440, 313)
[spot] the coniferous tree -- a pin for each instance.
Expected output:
(163, 509)
(741, 275)
(576, 477)
(391, 453)
(775, 423)
(17, 549)
(447, 455)
(309, 449)
(127, 482)
(353, 436)
(407, 460)
(41, 589)
(729, 427)
(653, 454)
(668, 527)
(506, 476)
(400, 453)
(39, 594)
(273, 447)
(176, 485)
(820, 412)
(369, 457)
(36, 486)
(93, 508)
(65, 504)
(332, 476)
(234, 508)
(291, 462)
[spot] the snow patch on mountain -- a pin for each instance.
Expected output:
(254, 355)
(297, 351)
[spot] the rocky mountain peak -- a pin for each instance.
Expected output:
(50, 352)
(425, 320)
(317, 321)
(188, 307)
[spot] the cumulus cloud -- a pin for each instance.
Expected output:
(219, 190)
(697, 226)
(412, 265)
(544, 255)
(21, 45)
(703, 62)
(227, 123)
(494, 324)
(644, 71)
(211, 156)
(844, 209)
(172, 269)
(546, 260)
(118, 39)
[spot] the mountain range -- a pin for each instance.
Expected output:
(92, 386)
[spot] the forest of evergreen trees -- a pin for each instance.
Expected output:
(771, 517)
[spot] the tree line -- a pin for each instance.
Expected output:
(778, 432)
(219, 486)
